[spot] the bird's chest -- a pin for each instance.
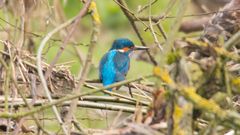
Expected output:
(121, 62)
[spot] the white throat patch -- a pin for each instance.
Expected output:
(121, 50)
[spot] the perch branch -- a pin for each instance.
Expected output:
(67, 98)
(86, 104)
(118, 95)
(83, 98)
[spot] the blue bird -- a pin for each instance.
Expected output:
(114, 65)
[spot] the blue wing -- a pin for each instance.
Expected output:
(113, 67)
(107, 72)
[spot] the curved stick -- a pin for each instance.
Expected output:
(40, 72)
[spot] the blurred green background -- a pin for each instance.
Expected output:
(114, 25)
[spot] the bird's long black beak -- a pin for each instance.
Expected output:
(140, 48)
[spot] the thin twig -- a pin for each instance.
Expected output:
(174, 28)
(37, 35)
(131, 20)
(151, 28)
(142, 92)
(157, 18)
(160, 27)
(70, 33)
(146, 6)
(22, 22)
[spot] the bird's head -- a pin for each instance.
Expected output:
(125, 45)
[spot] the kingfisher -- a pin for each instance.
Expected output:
(115, 64)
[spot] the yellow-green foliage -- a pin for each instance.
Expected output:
(173, 57)
(163, 74)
